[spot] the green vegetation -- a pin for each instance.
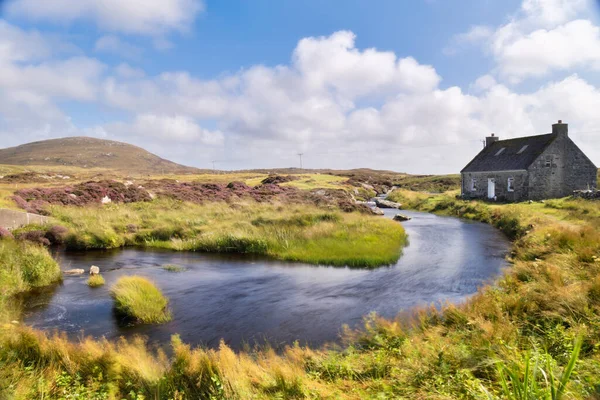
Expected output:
(95, 281)
(288, 232)
(139, 299)
(23, 266)
(534, 333)
(173, 268)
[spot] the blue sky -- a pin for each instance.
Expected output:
(404, 85)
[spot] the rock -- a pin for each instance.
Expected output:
(106, 200)
(401, 217)
(377, 211)
(382, 203)
(94, 270)
(76, 271)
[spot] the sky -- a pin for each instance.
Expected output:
(410, 86)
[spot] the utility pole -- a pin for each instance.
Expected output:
(214, 169)
(300, 155)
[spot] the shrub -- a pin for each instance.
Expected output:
(34, 236)
(5, 234)
(57, 234)
(95, 281)
(137, 298)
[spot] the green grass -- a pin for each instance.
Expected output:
(288, 232)
(139, 299)
(173, 268)
(95, 281)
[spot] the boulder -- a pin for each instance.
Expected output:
(94, 270)
(377, 211)
(382, 203)
(401, 217)
(76, 271)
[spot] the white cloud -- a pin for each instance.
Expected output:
(475, 35)
(575, 44)
(175, 129)
(148, 17)
(544, 36)
(113, 44)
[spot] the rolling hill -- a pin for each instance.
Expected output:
(86, 152)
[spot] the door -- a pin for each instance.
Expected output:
(491, 188)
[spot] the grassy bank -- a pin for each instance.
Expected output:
(524, 327)
(23, 267)
(287, 232)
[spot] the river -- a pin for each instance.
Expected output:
(249, 300)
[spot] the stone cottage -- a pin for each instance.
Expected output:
(529, 168)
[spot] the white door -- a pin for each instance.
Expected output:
(491, 188)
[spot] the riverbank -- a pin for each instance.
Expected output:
(290, 232)
(528, 319)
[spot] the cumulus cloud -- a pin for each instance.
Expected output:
(544, 36)
(149, 17)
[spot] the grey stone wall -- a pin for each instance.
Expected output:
(12, 219)
(560, 170)
(520, 185)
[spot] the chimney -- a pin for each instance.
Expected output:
(491, 139)
(560, 129)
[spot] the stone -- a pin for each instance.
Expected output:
(76, 271)
(94, 270)
(402, 217)
(106, 200)
(377, 211)
(382, 203)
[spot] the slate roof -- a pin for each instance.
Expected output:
(510, 159)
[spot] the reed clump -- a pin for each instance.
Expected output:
(96, 281)
(138, 299)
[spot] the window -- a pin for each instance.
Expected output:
(511, 184)
(500, 151)
(473, 185)
(523, 149)
(548, 161)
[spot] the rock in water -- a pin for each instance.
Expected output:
(381, 203)
(377, 211)
(401, 217)
(94, 270)
(76, 271)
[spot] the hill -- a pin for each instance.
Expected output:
(86, 152)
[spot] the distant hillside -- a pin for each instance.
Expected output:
(89, 152)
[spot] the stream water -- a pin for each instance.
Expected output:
(252, 300)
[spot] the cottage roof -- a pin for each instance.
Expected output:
(518, 154)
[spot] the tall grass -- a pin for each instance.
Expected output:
(289, 232)
(139, 299)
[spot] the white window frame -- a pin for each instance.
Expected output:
(548, 162)
(510, 184)
(473, 185)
